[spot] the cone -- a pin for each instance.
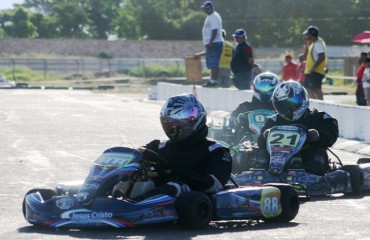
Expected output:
(194, 91)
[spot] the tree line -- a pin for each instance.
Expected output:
(269, 23)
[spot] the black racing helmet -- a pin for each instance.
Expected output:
(182, 116)
(264, 85)
(290, 100)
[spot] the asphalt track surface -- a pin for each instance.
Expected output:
(49, 136)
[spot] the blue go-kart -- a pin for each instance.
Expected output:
(284, 144)
(111, 195)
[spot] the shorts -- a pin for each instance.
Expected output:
(313, 80)
(213, 55)
(367, 94)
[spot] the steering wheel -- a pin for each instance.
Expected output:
(153, 159)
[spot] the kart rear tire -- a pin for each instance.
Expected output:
(45, 193)
(363, 160)
(289, 202)
(194, 210)
(357, 178)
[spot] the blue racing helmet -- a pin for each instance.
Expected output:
(182, 116)
(290, 100)
(264, 85)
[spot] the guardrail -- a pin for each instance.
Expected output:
(99, 65)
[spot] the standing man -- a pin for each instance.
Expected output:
(242, 61)
(212, 41)
(223, 79)
(315, 62)
(289, 71)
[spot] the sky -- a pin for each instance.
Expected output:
(8, 4)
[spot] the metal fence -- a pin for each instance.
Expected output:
(98, 65)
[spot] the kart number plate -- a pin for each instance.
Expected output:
(115, 160)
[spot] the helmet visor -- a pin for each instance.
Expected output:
(177, 128)
(286, 108)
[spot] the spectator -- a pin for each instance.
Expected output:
(300, 68)
(360, 95)
(242, 61)
(223, 79)
(289, 71)
(366, 80)
(315, 62)
(212, 41)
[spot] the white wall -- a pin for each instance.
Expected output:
(354, 121)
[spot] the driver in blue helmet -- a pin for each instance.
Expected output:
(263, 86)
(291, 101)
(194, 161)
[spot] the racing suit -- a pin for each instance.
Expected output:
(314, 155)
(196, 163)
(242, 127)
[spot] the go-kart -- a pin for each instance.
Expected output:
(241, 145)
(111, 196)
(285, 166)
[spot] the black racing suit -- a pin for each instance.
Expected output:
(200, 163)
(243, 128)
(314, 155)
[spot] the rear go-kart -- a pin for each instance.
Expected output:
(285, 166)
(112, 195)
(243, 143)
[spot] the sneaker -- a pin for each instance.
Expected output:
(210, 84)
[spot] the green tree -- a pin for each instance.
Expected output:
(72, 20)
(16, 23)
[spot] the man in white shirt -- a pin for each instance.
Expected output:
(212, 41)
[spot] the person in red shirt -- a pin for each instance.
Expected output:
(360, 97)
(289, 71)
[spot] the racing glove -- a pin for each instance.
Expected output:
(266, 133)
(242, 119)
(313, 135)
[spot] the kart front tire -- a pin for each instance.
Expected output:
(289, 202)
(45, 193)
(194, 210)
(357, 175)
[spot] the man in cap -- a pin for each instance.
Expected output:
(242, 61)
(315, 54)
(212, 41)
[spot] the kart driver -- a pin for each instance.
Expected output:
(194, 162)
(290, 100)
(263, 85)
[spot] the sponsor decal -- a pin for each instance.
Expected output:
(85, 216)
(64, 203)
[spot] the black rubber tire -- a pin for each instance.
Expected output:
(45, 193)
(289, 202)
(357, 178)
(363, 160)
(194, 210)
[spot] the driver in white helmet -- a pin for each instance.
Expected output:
(291, 101)
(194, 161)
(263, 86)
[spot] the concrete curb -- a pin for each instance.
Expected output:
(353, 146)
